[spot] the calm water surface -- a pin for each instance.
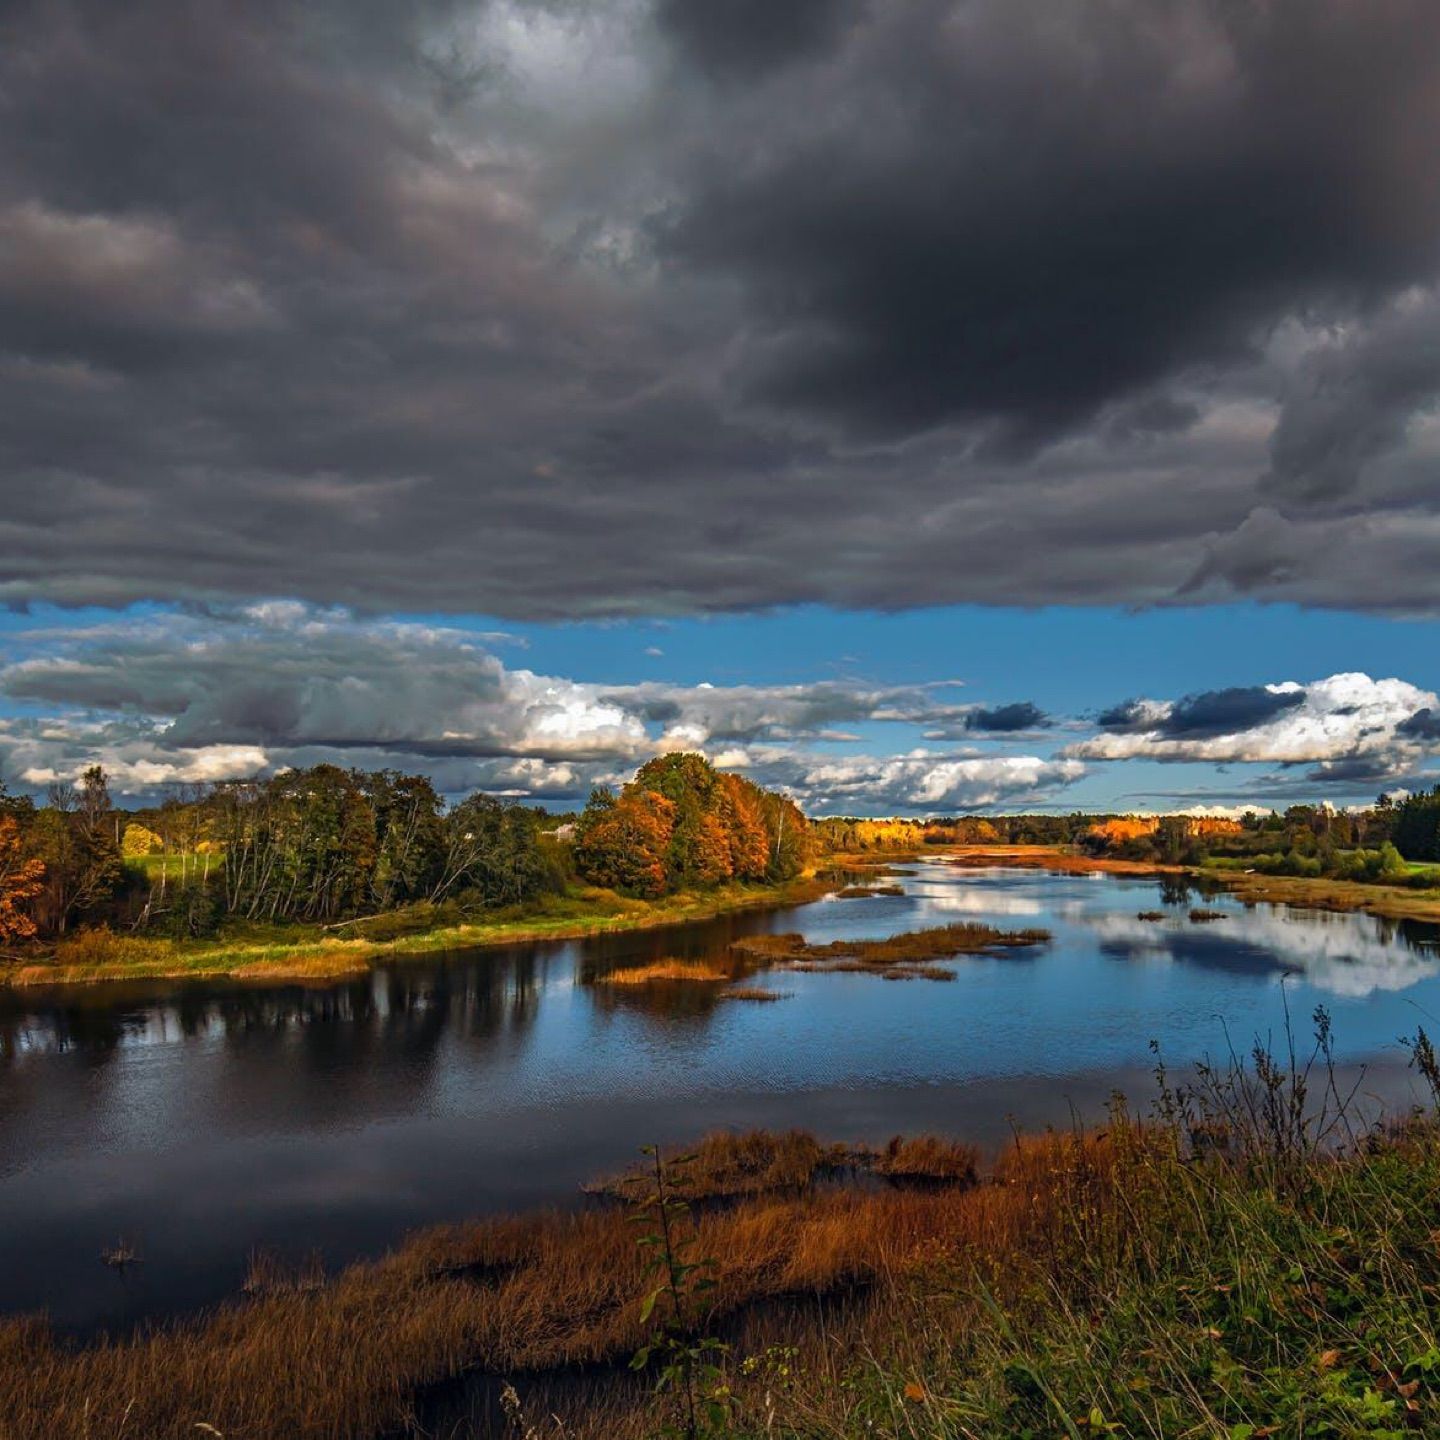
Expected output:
(199, 1122)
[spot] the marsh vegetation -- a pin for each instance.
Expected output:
(909, 956)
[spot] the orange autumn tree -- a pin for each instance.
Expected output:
(681, 824)
(742, 812)
(20, 881)
(623, 841)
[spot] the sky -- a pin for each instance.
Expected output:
(931, 407)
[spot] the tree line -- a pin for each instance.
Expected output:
(326, 845)
(1310, 841)
(317, 845)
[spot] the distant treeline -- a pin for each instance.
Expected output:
(1371, 844)
(854, 834)
(327, 845)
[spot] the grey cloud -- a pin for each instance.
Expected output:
(921, 783)
(1347, 727)
(498, 308)
(1004, 719)
(1222, 712)
(1350, 402)
(186, 696)
(1422, 725)
(745, 38)
(1070, 203)
(1134, 716)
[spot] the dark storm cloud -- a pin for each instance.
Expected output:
(742, 38)
(1422, 725)
(1127, 715)
(1002, 719)
(1059, 213)
(550, 309)
(1223, 712)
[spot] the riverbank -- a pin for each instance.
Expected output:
(1111, 1282)
(306, 954)
(1391, 902)
(1394, 902)
(1059, 859)
(311, 955)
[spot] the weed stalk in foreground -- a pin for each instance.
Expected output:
(688, 1363)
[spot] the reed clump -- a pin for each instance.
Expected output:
(661, 971)
(725, 1165)
(928, 1158)
(757, 993)
(902, 957)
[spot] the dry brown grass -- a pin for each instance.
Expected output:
(659, 971)
(929, 1157)
(87, 948)
(345, 1359)
(900, 957)
(753, 992)
(724, 1165)
(1058, 858)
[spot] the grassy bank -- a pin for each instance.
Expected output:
(308, 953)
(1129, 1282)
(1061, 859)
(1396, 902)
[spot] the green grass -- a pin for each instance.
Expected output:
(1201, 1303)
(306, 952)
(173, 866)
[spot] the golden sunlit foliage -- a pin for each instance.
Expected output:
(20, 881)
(138, 840)
(681, 824)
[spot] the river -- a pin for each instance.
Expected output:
(199, 1122)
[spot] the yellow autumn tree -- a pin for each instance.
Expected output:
(139, 840)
